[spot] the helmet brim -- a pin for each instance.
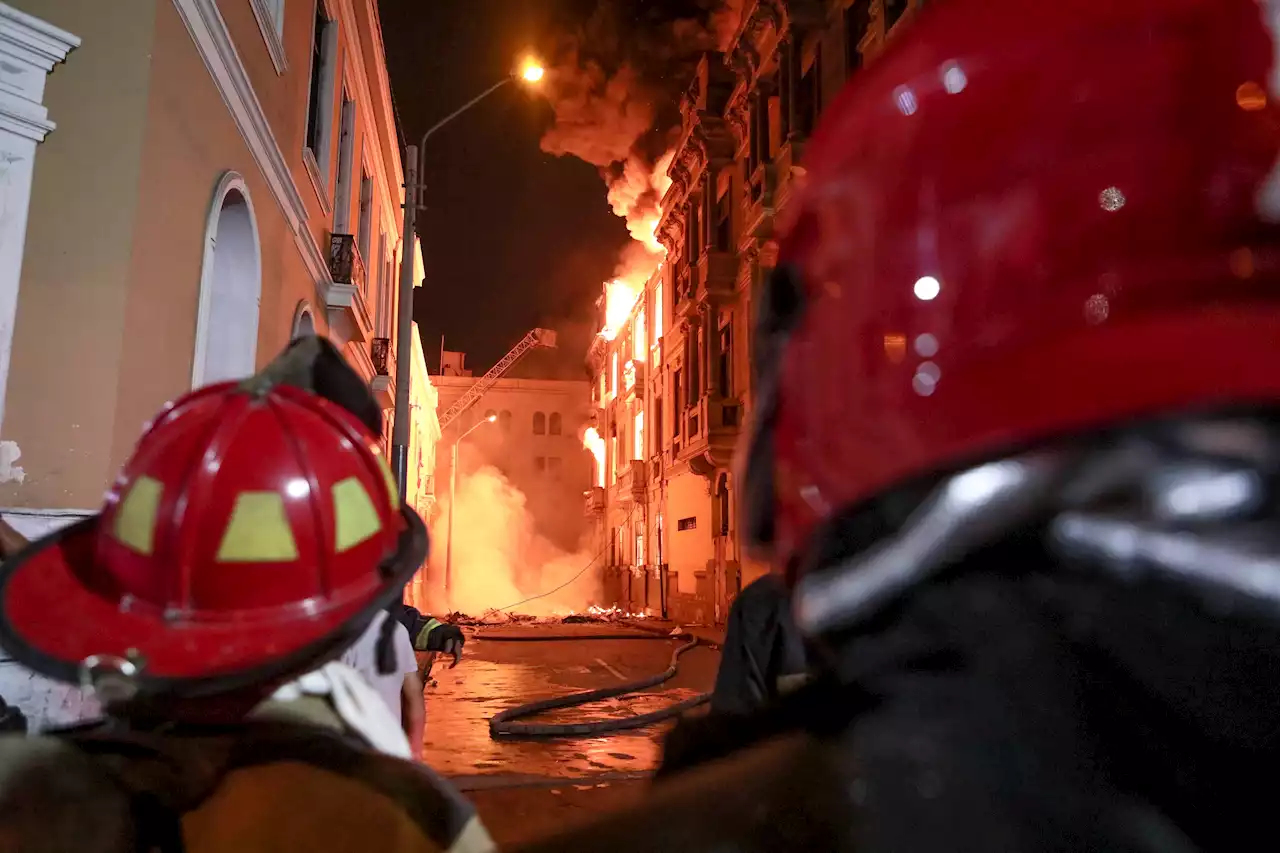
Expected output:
(52, 620)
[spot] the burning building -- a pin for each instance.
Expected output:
(672, 385)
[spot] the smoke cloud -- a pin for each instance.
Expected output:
(500, 559)
(614, 87)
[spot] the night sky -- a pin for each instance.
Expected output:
(513, 237)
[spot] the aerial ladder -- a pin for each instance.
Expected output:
(536, 338)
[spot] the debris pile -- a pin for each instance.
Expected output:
(593, 614)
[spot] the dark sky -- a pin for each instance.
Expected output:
(513, 238)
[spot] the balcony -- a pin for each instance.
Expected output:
(633, 376)
(345, 292)
(594, 500)
(383, 386)
(711, 430)
(762, 201)
(632, 481)
(717, 273)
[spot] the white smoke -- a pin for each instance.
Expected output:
(499, 558)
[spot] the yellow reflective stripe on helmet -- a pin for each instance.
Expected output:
(135, 525)
(355, 518)
(258, 531)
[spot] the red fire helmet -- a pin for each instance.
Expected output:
(1025, 220)
(255, 530)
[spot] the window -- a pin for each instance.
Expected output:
(539, 463)
(638, 436)
(723, 495)
(893, 11)
(693, 232)
(657, 313)
(270, 15)
(726, 355)
(504, 420)
(490, 414)
(346, 154)
(364, 224)
(553, 466)
(539, 423)
(613, 454)
(640, 548)
(690, 523)
(613, 385)
(556, 426)
(857, 21)
(724, 221)
(304, 323)
(809, 96)
(657, 426)
(695, 375)
(324, 48)
(386, 284)
(676, 400)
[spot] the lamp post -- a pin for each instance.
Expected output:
(453, 493)
(530, 72)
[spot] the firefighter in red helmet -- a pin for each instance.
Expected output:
(1016, 447)
(251, 538)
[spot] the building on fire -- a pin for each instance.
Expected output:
(673, 385)
(188, 184)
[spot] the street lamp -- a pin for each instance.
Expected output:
(453, 494)
(530, 72)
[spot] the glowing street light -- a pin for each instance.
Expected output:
(531, 72)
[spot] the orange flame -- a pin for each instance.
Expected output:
(636, 196)
(592, 441)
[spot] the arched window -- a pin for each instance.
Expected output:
(490, 415)
(504, 420)
(539, 423)
(226, 345)
(556, 424)
(304, 322)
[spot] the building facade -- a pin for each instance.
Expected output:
(224, 175)
(189, 184)
(535, 441)
(673, 386)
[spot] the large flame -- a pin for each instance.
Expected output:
(636, 196)
(592, 441)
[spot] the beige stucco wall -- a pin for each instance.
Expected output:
(78, 263)
(688, 550)
(107, 310)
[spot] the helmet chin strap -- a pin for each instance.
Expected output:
(1186, 501)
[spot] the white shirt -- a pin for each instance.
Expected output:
(363, 658)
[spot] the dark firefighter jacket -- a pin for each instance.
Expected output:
(289, 780)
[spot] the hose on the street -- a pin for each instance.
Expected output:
(501, 725)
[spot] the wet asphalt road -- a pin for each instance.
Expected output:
(523, 788)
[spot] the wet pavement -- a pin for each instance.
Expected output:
(496, 675)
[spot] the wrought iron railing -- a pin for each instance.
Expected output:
(345, 263)
(380, 353)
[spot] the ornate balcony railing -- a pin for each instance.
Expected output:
(380, 353)
(345, 263)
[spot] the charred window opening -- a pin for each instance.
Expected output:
(687, 523)
(539, 423)
(857, 22)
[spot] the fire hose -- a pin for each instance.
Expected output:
(502, 726)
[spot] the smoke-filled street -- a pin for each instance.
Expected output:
(526, 788)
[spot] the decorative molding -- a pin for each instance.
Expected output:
(209, 32)
(271, 32)
(29, 49)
